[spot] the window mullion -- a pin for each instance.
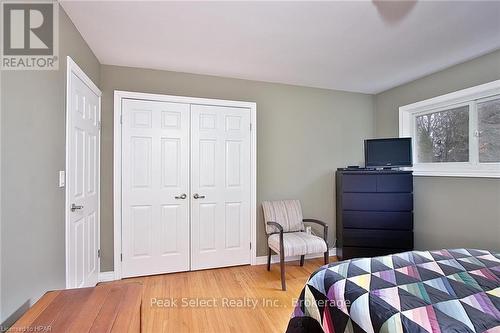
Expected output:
(473, 136)
(412, 134)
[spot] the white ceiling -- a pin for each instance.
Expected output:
(365, 47)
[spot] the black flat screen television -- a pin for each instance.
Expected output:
(388, 153)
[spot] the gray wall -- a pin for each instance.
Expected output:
(303, 135)
(449, 212)
(33, 150)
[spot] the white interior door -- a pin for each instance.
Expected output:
(220, 186)
(155, 185)
(82, 183)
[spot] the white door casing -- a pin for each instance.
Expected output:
(83, 115)
(155, 229)
(120, 210)
(220, 186)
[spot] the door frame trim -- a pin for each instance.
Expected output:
(119, 95)
(72, 67)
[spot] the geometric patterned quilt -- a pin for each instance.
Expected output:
(455, 290)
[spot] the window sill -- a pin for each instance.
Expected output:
(456, 173)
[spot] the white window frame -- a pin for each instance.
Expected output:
(470, 96)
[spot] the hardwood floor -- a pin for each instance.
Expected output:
(201, 301)
(110, 308)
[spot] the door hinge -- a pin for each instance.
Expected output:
(250, 245)
(121, 119)
(121, 256)
(250, 127)
(99, 125)
(99, 253)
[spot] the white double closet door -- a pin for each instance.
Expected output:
(185, 187)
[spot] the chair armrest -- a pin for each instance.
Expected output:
(316, 221)
(280, 228)
(275, 224)
(325, 227)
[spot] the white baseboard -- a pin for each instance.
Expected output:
(106, 276)
(262, 260)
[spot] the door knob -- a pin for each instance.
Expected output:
(197, 196)
(75, 207)
(182, 196)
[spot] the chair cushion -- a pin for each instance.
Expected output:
(297, 243)
(287, 213)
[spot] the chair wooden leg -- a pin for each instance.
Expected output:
(326, 258)
(302, 260)
(282, 268)
(269, 259)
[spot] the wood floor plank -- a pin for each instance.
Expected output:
(90, 310)
(71, 309)
(27, 319)
(97, 309)
(104, 320)
(128, 319)
(52, 313)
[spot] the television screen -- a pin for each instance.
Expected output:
(388, 153)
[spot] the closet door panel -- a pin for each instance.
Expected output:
(220, 186)
(155, 174)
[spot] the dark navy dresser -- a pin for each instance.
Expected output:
(374, 212)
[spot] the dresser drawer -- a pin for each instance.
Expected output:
(396, 202)
(390, 239)
(395, 183)
(359, 183)
(350, 252)
(378, 220)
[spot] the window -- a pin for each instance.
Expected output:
(488, 113)
(443, 136)
(457, 134)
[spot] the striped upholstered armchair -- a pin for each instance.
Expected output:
(286, 233)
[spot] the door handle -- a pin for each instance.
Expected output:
(197, 196)
(182, 196)
(75, 207)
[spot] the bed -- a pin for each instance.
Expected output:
(455, 290)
